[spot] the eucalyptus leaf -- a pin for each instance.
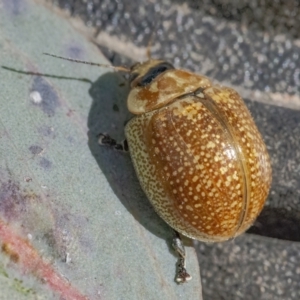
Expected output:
(74, 222)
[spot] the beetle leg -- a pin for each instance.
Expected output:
(106, 140)
(182, 275)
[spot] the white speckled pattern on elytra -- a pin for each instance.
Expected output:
(202, 163)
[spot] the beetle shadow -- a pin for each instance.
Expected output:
(109, 114)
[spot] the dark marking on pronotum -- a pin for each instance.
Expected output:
(153, 73)
(49, 98)
(45, 163)
(34, 149)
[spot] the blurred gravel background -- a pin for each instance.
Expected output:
(254, 47)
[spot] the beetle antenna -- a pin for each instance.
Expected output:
(149, 46)
(150, 41)
(118, 68)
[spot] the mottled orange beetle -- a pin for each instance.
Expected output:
(197, 153)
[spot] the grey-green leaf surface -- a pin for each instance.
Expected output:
(68, 206)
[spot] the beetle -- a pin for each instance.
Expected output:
(197, 153)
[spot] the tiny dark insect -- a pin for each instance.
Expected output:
(197, 152)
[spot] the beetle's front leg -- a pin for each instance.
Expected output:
(182, 275)
(106, 140)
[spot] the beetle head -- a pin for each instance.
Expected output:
(141, 74)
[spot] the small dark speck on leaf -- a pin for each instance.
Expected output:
(12, 202)
(75, 51)
(14, 7)
(70, 112)
(44, 96)
(47, 131)
(122, 84)
(116, 107)
(34, 149)
(12, 255)
(70, 139)
(45, 163)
